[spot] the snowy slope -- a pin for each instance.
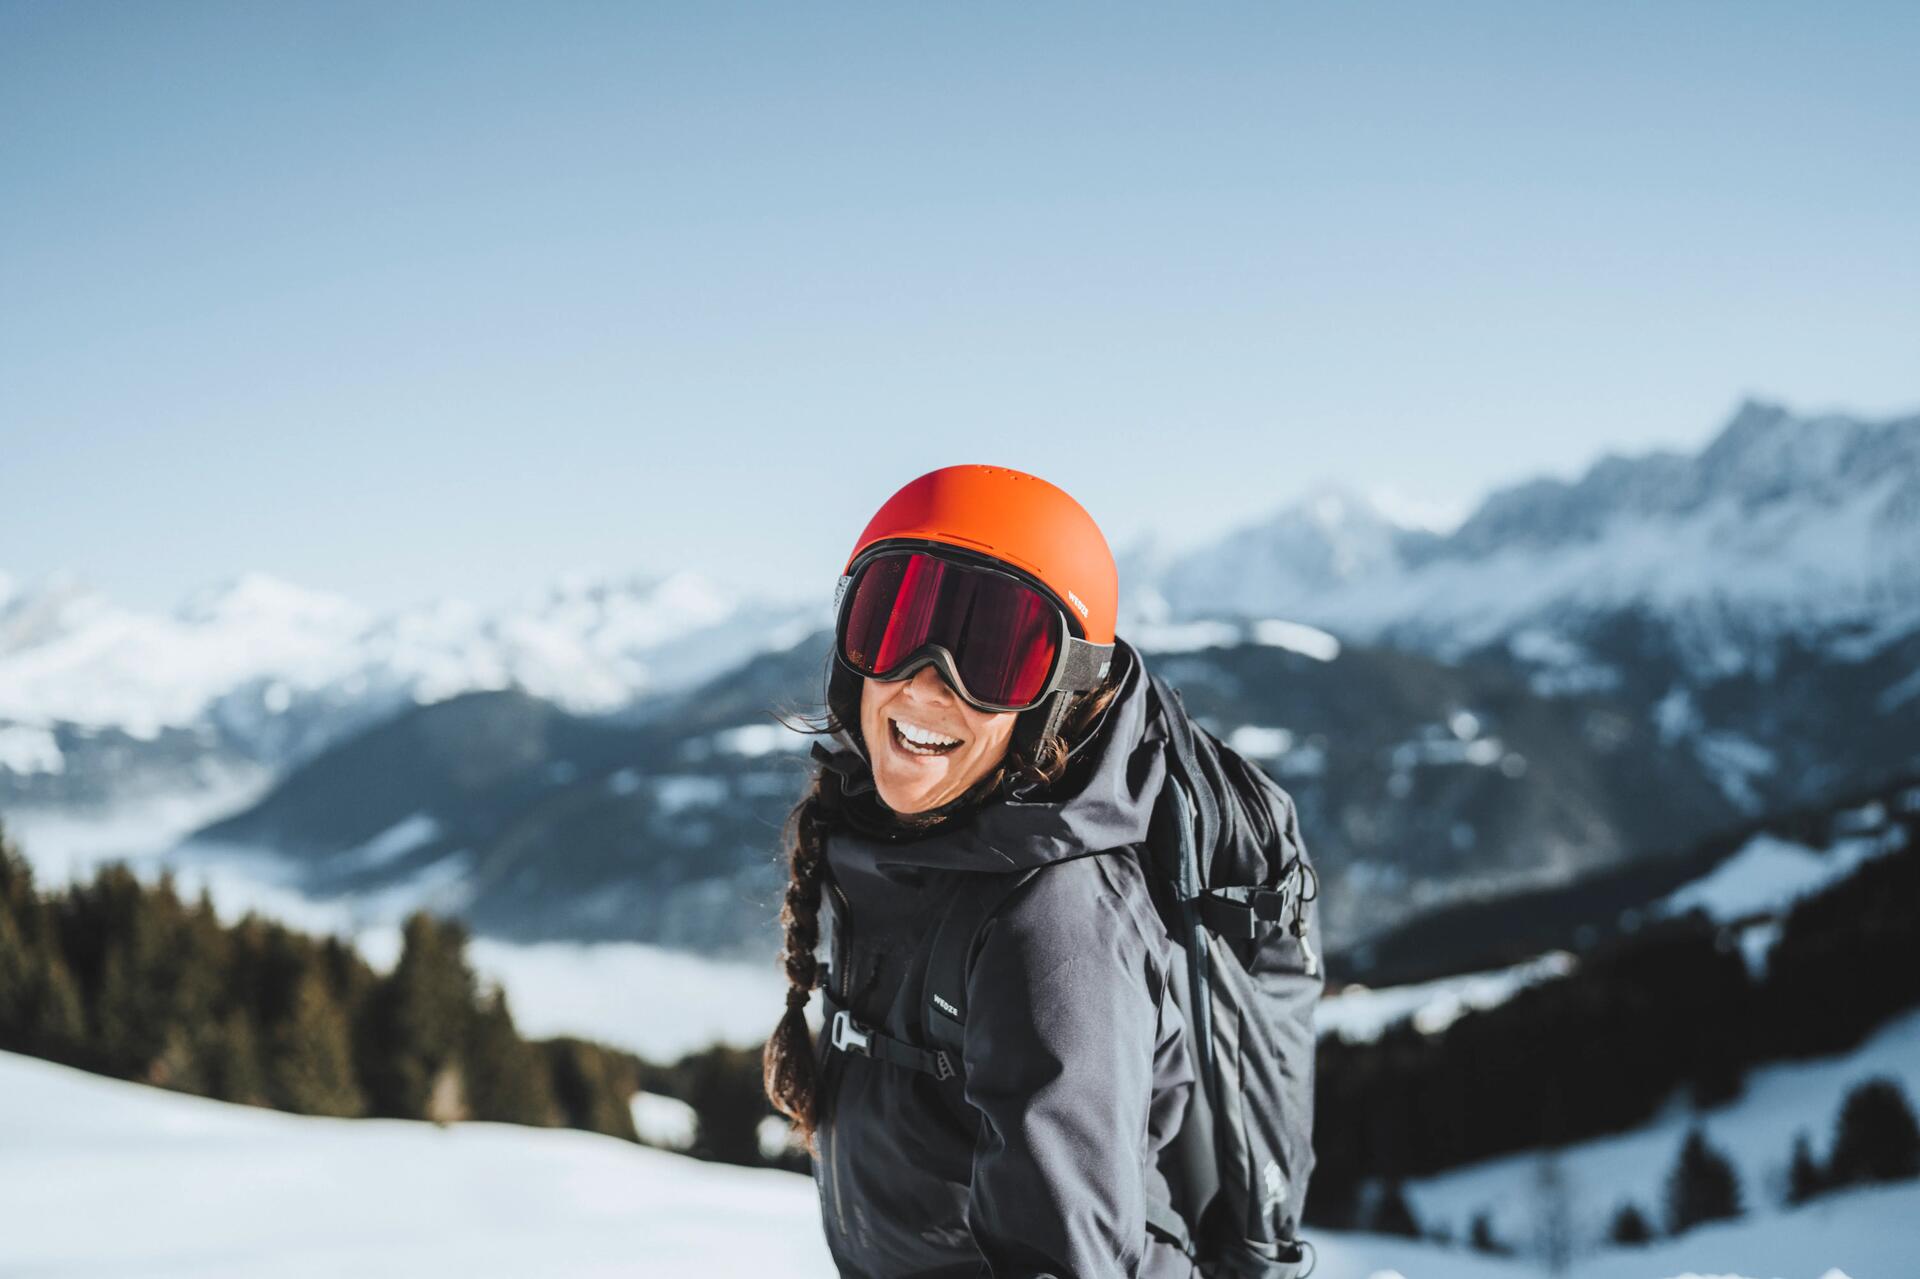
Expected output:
(1358, 1014)
(104, 1178)
(1768, 874)
(1756, 1132)
(1864, 1234)
(101, 1178)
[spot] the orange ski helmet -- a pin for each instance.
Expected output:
(1018, 524)
(1016, 517)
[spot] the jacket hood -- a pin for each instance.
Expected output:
(1103, 800)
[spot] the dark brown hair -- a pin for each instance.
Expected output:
(788, 1057)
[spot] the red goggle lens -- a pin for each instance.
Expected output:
(1004, 636)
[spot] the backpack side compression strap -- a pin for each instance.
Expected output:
(1185, 865)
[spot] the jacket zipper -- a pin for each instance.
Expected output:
(837, 980)
(837, 984)
(833, 1181)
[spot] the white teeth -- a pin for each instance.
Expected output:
(923, 736)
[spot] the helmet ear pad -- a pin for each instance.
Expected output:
(844, 690)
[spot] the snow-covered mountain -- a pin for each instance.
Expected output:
(1660, 647)
(1326, 544)
(1418, 782)
(256, 671)
(1737, 598)
(1784, 526)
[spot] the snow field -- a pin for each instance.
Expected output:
(103, 1179)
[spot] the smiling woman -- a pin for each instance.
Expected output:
(989, 723)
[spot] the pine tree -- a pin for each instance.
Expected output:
(594, 1090)
(1804, 1178)
(1480, 1236)
(1875, 1138)
(1553, 1213)
(57, 1021)
(417, 1019)
(1392, 1214)
(507, 1078)
(1629, 1228)
(120, 1024)
(1702, 1186)
(312, 1055)
(42, 1008)
(198, 960)
(724, 1087)
(234, 1072)
(178, 1064)
(18, 969)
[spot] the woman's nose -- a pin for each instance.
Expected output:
(930, 685)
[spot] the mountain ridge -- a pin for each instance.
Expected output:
(1780, 526)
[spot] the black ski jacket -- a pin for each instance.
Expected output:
(1038, 1159)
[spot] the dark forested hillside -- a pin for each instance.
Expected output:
(128, 979)
(1663, 1006)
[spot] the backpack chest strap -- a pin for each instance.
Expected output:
(848, 1034)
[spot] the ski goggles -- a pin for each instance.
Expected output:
(997, 636)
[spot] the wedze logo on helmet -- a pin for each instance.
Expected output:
(995, 576)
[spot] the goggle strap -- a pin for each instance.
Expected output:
(1056, 713)
(1085, 664)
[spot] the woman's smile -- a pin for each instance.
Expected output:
(917, 739)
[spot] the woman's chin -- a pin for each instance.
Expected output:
(905, 799)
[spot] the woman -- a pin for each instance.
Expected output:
(989, 721)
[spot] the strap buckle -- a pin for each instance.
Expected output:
(1273, 904)
(850, 1036)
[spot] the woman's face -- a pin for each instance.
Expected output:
(912, 778)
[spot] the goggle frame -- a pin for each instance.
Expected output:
(1078, 663)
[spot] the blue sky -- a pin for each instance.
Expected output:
(412, 300)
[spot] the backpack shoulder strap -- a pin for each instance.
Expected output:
(943, 1002)
(1183, 768)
